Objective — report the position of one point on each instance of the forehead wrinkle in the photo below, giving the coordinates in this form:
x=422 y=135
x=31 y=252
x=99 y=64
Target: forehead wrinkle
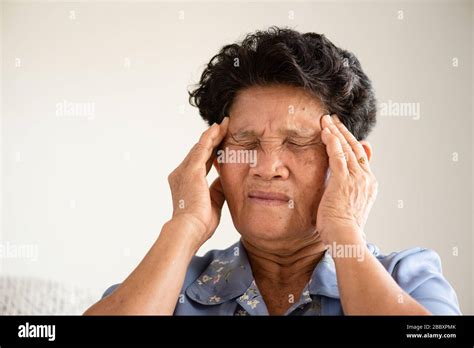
x=298 y=130
x=308 y=126
x=311 y=130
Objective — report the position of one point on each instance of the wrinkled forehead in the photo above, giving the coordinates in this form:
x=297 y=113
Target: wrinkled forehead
x=275 y=111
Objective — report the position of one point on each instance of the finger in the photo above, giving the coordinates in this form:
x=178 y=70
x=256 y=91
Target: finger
x=202 y=153
x=337 y=160
x=215 y=145
x=353 y=142
x=346 y=147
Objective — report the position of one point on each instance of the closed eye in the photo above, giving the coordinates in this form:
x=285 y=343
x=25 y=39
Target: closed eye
x=297 y=144
x=244 y=144
x=251 y=145
x=304 y=144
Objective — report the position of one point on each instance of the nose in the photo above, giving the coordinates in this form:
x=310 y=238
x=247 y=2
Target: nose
x=270 y=165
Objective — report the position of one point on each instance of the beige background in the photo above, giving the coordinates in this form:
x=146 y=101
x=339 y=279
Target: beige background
x=89 y=191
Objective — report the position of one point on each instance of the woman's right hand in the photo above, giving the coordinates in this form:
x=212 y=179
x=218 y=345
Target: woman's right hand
x=194 y=202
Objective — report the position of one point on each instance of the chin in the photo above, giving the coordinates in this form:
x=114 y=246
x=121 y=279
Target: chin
x=265 y=227
x=265 y=235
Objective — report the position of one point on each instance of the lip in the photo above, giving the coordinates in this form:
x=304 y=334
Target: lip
x=268 y=197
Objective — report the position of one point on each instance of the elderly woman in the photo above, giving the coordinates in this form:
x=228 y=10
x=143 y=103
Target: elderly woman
x=301 y=108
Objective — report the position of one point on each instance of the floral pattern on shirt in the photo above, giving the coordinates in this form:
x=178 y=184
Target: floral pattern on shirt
x=229 y=272
x=251 y=303
x=234 y=292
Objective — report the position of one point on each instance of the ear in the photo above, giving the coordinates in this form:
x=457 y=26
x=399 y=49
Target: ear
x=367 y=148
x=217 y=166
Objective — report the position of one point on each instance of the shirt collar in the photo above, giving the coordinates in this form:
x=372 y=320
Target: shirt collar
x=229 y=276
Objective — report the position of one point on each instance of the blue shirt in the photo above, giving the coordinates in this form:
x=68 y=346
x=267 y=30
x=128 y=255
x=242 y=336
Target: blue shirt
x=221 y=283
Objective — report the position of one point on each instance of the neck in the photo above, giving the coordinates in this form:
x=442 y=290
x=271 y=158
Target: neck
x=284 y=262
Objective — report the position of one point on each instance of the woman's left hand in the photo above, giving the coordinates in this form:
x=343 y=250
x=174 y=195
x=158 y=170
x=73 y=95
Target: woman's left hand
x=351 y=188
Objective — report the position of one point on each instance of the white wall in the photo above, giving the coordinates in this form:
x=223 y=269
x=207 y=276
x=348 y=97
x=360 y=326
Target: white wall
x=89 y=193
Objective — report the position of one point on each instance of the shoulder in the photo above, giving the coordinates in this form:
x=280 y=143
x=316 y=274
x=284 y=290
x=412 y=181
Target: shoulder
x=418 y=271
x=196 y=267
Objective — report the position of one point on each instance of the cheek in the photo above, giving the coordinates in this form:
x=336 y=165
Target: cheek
x=232 y=179
x=310 y=173
x=311 y=166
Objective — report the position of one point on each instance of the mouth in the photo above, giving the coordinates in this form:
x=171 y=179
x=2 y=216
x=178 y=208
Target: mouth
x=268 y=198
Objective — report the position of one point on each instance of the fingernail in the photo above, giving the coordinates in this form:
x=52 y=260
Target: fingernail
x=329 y=118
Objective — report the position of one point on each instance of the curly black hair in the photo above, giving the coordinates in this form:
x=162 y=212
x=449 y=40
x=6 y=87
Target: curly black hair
x=285 y=56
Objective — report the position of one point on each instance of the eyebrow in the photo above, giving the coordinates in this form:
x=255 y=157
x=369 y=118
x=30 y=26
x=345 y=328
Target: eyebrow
x=297 y=134
x=244 y=134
